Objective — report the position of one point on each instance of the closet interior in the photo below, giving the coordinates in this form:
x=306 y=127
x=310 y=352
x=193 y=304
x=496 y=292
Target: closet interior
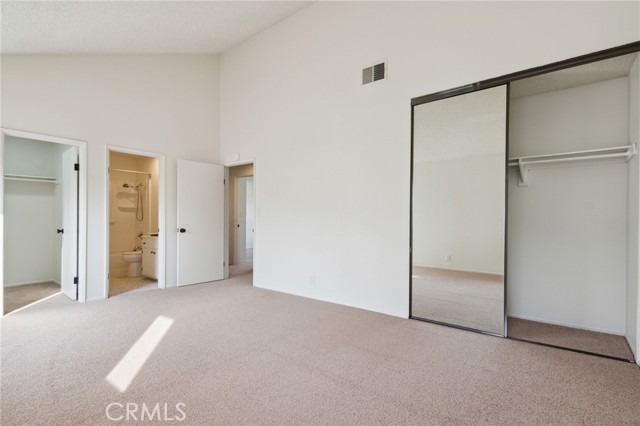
x=525 y=205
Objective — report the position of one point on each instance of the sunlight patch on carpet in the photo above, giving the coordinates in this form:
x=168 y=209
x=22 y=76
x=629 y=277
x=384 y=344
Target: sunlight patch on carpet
x=127 y=369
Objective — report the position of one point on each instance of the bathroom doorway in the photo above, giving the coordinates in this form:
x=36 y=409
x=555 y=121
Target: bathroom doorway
x=135 y=245
x=43 y=204
x=241 y=219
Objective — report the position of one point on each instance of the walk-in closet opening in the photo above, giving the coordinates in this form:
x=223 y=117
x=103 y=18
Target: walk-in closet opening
x=241 y=219
x=573 y=207
x=134 y=249
x=40 y=221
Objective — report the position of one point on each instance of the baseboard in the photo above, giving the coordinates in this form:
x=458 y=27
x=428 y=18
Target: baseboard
x=32 y=282
x=566 y=324
x=329 y=300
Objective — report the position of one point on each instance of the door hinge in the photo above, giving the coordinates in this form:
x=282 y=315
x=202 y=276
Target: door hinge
x=224 y=263
x=224 y=181
x=75 y=280
x=76 y=167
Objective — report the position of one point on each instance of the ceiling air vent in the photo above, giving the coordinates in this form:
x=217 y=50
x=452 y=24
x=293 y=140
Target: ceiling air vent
x=374 y=73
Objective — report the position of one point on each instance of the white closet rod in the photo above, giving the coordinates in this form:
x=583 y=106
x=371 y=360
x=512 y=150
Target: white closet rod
x=27 y=178
x=619 y=151
x=524 y=163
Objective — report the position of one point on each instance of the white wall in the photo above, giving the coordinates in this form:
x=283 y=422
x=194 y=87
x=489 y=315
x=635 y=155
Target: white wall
x=162 y=104
x=568 y=228
x=32 y=247
x=580 y=118
x=633 y=295
x=291 y=97
x=30 y=157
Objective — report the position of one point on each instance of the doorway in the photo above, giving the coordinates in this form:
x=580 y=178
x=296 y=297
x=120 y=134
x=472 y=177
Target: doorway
x=135 y=258
x=241 y=219
x=43 y=197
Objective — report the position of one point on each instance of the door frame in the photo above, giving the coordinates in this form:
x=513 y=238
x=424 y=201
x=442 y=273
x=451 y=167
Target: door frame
x=82 y=204
x=162 y=213
x=227 y=214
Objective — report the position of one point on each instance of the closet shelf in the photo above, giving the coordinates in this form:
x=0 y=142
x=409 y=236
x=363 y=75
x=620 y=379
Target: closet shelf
x=29 y=178
x=524 y=164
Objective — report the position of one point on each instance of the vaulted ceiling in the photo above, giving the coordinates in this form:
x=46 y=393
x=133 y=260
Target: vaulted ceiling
x=129 y=27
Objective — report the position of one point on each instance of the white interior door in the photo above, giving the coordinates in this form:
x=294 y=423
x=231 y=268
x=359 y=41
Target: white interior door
x=200 y=222
x=241 y=219
x=69 y=273
x=250 y=218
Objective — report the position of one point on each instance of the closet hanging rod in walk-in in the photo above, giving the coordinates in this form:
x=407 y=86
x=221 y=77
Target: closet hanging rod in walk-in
x=524 y=163
x=130 y=171
x=28 y=178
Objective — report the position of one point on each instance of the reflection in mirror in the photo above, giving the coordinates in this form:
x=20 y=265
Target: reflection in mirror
x=459 y=152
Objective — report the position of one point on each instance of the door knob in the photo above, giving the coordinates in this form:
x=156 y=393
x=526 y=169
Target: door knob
x=182 y=230
x=60 y=231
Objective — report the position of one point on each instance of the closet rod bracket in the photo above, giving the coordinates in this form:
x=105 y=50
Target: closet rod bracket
x=632 y=152
x=524 y=173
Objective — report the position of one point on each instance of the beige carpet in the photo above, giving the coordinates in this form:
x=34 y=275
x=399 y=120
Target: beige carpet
x=583 y=340
x=237 y=354
x=126 y=284
x=467 y=299
x=240 y=269
x=22 y=295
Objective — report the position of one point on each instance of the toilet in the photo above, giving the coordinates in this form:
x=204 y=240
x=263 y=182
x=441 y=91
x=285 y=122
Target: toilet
x=134 y=259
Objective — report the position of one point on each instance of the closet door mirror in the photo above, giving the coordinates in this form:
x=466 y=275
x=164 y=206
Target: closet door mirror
x=458 y=210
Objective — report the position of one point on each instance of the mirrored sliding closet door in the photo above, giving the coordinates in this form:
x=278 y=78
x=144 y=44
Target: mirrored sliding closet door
x=458 y=210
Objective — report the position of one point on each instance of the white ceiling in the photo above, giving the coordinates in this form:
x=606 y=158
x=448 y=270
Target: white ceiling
x=594 y=72
x=126 y=27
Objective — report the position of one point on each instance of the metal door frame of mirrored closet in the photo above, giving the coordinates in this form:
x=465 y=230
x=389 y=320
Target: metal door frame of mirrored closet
x=487 y=84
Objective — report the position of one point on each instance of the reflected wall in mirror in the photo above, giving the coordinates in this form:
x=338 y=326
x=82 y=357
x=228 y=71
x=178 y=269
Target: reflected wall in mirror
x=458 y=210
